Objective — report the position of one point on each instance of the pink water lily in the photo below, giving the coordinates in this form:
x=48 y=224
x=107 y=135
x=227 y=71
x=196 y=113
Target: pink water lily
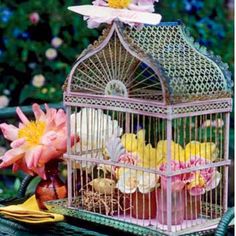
x=34 y=143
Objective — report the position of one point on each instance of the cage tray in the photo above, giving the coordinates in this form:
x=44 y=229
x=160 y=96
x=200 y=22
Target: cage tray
x=132 y=225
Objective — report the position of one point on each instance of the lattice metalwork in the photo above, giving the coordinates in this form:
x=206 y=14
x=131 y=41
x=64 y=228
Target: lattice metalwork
x=152 y=109
x=178 y=70
x=113 y=71
x=193 y=75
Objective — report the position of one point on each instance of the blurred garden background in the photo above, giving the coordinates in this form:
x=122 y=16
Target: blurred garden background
x=40 y=40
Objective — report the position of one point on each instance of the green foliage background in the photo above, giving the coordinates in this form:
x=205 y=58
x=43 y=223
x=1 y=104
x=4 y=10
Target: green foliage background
x=23 y=45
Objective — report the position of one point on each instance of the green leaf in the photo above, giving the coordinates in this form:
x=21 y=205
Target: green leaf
x=28 y=91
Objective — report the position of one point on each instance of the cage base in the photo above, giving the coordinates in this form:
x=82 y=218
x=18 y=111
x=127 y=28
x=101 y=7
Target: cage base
x=133 y=225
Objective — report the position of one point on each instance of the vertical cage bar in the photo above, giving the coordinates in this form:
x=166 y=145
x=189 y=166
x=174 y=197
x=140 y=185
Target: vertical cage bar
x=226 y=157
x=169 y=203
x=69 y=162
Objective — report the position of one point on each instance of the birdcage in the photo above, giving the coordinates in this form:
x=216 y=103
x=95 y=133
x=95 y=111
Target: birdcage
x=150 y=109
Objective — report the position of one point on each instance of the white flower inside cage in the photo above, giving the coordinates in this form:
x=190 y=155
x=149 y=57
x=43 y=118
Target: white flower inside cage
x=94 y=129
x=132 y=180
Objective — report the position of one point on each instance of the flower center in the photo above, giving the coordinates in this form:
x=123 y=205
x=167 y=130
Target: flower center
x=119 y=3
x=32 y=132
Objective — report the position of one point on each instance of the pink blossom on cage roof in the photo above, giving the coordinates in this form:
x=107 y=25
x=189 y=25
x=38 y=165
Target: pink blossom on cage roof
x=137 y=12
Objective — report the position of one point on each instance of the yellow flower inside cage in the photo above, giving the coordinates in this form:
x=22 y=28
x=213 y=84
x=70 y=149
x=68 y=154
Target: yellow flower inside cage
x=133 y=142
x=197 y=181
x=148 y=156
x=207 y=150
x=177 y=152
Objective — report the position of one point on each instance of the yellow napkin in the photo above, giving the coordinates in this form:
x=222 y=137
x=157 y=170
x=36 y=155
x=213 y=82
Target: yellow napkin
x=29 y=212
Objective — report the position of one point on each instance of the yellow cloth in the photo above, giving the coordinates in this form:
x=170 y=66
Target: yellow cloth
x=29 y=212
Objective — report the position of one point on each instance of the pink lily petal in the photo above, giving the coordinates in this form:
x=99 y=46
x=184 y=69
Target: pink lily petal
x=48 y=153
x=60 y=117
x=38 y=112
x=92 y=23
x=10 y=132
x=48 y=138
x=11 y=156
x=40 y=171
x=17 y=143
x=20 y=165
x=50 y=112
x=21 y=125
x=60 y=144
x=32 y=157
x=21 y=115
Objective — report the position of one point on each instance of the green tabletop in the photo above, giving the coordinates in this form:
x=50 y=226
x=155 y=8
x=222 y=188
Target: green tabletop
x=68 y=227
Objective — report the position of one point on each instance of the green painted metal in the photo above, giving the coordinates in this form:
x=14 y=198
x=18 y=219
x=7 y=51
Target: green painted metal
x=190 y=71
x=177 y=67
x=60 y=207
x=224 y=222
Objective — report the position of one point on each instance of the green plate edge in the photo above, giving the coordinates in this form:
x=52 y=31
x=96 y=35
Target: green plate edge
x=59 y=207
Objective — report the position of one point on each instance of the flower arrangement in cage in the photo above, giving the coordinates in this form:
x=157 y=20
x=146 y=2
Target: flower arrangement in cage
x=111 y=189
x=37 y=146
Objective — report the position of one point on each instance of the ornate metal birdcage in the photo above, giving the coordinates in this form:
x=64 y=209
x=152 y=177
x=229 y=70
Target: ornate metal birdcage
x=150 y=109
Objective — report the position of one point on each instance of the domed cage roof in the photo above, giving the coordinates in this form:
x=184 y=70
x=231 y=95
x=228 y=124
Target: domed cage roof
x=159 y=63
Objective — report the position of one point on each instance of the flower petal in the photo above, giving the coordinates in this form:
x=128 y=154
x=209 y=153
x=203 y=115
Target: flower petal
x=20 y=165
x=214 y=181
x=40 y=171
x=48 y=153
x=17 y=143
x=60 y=117
x=11 y=156
x=50 y=117
x=38 y=112
x=21 y=115
x=196 y=191
x=48 y=138
x=10 y=132
x=32 y=157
